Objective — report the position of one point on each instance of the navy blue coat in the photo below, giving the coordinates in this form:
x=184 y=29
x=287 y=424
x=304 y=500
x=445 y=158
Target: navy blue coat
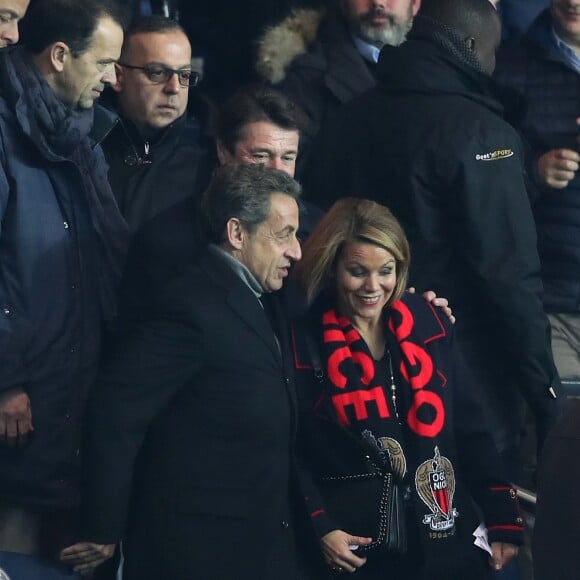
x=552 y=88
x=50 y=311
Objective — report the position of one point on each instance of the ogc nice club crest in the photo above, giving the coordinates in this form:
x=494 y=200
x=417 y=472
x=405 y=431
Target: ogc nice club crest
x=435 y=483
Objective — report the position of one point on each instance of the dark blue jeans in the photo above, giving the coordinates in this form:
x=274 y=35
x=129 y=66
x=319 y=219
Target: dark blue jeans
x=24 y=567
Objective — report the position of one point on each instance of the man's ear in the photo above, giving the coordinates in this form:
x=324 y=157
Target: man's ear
x=235 y=233
x=59 y=54
x=224 y=156
x=415 y=5
x=117 y=86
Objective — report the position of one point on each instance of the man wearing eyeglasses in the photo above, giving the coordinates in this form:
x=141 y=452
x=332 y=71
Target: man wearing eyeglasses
x=152 y=153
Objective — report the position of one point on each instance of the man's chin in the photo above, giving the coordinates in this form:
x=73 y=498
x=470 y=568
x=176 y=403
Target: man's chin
x=160 y=122
x=85 y=104
x=275 y=286
x=388 y=34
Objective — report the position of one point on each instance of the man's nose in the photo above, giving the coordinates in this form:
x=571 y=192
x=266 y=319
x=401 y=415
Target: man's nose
x=172 y=85
x=110 y=75
x=10 y=35
x=295 y=251
x=275 y=163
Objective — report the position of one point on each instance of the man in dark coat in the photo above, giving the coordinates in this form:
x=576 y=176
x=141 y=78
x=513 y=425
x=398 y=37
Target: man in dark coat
x=192 y=426
x=431 y=144
x=153 y=152
x=62 y=244
x=322 y=60
x=545 y=68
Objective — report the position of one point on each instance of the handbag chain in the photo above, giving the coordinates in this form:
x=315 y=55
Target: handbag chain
x=393 y=386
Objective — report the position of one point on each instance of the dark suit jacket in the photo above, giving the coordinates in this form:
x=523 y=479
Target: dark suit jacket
x=191 y=430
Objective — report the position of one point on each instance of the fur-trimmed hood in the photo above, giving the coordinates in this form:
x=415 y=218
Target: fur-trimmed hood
x=283 y=42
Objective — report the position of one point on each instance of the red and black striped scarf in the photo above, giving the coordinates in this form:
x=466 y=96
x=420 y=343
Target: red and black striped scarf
x=360 y=394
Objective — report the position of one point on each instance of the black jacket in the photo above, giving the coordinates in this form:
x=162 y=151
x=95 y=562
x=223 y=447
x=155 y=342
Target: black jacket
x=191 y=435
x=434 y=148
x=157 y=184
x=552 y=87
x=149 y=176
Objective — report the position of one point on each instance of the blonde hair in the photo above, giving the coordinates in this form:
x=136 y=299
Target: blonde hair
x=351 y=220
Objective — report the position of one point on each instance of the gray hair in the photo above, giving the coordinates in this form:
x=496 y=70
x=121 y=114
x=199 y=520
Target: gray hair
x=243 y=192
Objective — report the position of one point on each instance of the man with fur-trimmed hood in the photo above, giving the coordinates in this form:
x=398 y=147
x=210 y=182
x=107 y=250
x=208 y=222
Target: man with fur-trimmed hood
x=321 y=60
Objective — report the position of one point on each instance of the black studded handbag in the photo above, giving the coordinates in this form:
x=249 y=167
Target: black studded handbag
x=368 y=505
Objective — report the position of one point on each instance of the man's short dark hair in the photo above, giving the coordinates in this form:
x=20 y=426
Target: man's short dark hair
x=70 y=21
x=155 y=23
x=243 y=192
x=251 y=105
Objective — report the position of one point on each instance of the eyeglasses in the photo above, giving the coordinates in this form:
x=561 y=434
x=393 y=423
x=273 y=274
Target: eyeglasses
x=160 y=74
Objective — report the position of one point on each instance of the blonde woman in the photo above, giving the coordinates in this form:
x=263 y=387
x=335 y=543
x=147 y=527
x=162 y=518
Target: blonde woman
x=383 y=393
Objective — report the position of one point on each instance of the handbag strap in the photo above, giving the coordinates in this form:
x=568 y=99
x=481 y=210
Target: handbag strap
x=314 y=353
x=316 y=360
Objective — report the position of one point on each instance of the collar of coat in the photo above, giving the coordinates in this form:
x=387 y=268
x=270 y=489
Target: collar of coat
x=104 y=122
x=421 y=66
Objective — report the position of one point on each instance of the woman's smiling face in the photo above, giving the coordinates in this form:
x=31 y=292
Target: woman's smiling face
x=366 y=275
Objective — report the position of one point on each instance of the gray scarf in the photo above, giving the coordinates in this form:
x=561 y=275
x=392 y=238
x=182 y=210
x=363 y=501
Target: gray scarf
x=62 y=133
